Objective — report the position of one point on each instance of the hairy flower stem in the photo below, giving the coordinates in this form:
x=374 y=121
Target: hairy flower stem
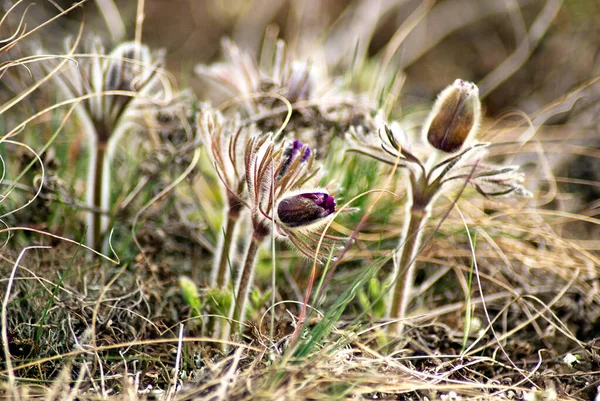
x=96 y=196
x=219 y=277
x=221 y=266
x=245 y=280
x=418 y=214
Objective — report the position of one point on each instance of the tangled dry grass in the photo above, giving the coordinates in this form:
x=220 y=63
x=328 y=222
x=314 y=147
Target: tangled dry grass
x=506 y=294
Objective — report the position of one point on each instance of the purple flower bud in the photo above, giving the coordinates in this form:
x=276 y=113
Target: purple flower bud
x=294 y=151
x=455 y=116
x=305 y=209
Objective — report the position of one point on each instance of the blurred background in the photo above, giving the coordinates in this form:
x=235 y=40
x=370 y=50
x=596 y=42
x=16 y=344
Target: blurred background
x=547 y=47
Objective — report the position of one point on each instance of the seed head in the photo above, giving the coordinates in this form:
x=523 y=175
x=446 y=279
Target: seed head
x=454 y=117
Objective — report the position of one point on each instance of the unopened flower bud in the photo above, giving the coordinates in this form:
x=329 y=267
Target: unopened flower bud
x=297 y=149
x=455 y=116
x=305 y=209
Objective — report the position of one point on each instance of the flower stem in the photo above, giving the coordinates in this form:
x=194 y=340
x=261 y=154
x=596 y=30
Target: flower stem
x=220 y=268
x=418 y=216
x=220 y=276
x=244 y=282
x=96 y=227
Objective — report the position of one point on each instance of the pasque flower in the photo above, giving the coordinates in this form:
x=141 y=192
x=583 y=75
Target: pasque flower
x=114 y=90
x=318 y=103
x=456 y=157
x=273 y=172
x=226 y=141
x=242 y=76
x=264 y=177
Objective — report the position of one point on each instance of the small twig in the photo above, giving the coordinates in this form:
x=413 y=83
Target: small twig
x=74 y=390
x=228 y=378
x=139 y=22
x=174 y=386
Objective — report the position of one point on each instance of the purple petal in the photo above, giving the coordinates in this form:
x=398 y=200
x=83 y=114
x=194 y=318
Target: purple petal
x=297 y=147
x=305 y=209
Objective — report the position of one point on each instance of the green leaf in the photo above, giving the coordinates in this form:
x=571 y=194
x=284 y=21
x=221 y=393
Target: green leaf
x=190 y=295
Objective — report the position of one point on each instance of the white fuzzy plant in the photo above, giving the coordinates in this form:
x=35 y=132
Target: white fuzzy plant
x=111 y=90
x=452 y=155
